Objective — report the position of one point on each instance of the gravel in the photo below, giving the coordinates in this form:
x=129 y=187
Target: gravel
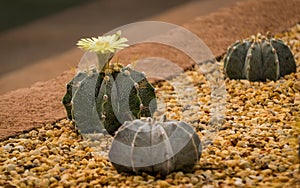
x=256 y=146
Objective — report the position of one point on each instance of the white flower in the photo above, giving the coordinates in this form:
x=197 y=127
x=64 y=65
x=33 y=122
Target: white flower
x=103 y=44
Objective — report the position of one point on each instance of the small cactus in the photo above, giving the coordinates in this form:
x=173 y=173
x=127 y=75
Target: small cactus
x=107 y=96
x=259 y=59
x=155 y=147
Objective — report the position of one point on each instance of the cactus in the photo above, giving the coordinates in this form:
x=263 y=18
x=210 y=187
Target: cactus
x=155 y=147
x=259 y=59
x=132 y=96
x=110 y=95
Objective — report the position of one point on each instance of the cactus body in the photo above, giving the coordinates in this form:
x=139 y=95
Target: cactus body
x=155 y=147
x=124 y=95
x=259 y=59
x=79 y=101
x=109 y=97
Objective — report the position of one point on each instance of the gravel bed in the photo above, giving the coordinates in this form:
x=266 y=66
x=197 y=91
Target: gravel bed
x=255 y=147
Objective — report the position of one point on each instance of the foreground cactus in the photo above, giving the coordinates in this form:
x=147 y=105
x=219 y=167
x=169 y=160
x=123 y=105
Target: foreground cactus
x=155 y=147
x=109 y=95
x=259 y=59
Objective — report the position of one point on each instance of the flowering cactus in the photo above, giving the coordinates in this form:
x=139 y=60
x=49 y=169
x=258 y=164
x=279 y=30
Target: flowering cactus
x=114 y=93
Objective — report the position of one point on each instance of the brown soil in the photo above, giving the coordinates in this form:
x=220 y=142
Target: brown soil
x=27 y=108
x=32 y=54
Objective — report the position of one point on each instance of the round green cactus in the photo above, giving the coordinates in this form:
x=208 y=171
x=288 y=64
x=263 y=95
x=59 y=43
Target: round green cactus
x=105 y=97
x=155 y=147
x=120 y=94
x=259 y=59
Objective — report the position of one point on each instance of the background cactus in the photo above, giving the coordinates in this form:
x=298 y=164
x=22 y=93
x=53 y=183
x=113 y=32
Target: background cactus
x=258 y=59
x=155 y=147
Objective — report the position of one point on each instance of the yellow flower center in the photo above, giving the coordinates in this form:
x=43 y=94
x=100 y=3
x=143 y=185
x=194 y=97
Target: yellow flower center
x=103 y=45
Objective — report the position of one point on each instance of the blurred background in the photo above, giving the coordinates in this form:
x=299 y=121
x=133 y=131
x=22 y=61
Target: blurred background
x=38 y=37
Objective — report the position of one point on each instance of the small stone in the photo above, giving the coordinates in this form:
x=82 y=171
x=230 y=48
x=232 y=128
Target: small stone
x=238 y=182
x=266 y=172
x=244 y=164
x=65 y=177
x=20 y=148
x=189 y=185
x=163 y=183
x=10 y=167
x=7 y=147
x=232 y=163
x=52 y=180
x=283 y=178
x=296 y=86
x=194 y=180
x=219 y=175
x=273 y=167
x=281 y=168
x=243 y=174
x=208 y=186
x=178 y=175
x=36 y=162
x=242 y=144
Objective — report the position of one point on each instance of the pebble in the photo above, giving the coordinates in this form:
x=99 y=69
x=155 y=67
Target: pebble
x=194 y=180
x=256 y=147
x=7 y=147
x=238 y=182
x=163 y=184
x=242 y=144
x=10 y=167
x=266 y=172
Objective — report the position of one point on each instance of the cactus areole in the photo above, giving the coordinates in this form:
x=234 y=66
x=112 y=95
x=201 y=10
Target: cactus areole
x=155 y=147
x=259 y=59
